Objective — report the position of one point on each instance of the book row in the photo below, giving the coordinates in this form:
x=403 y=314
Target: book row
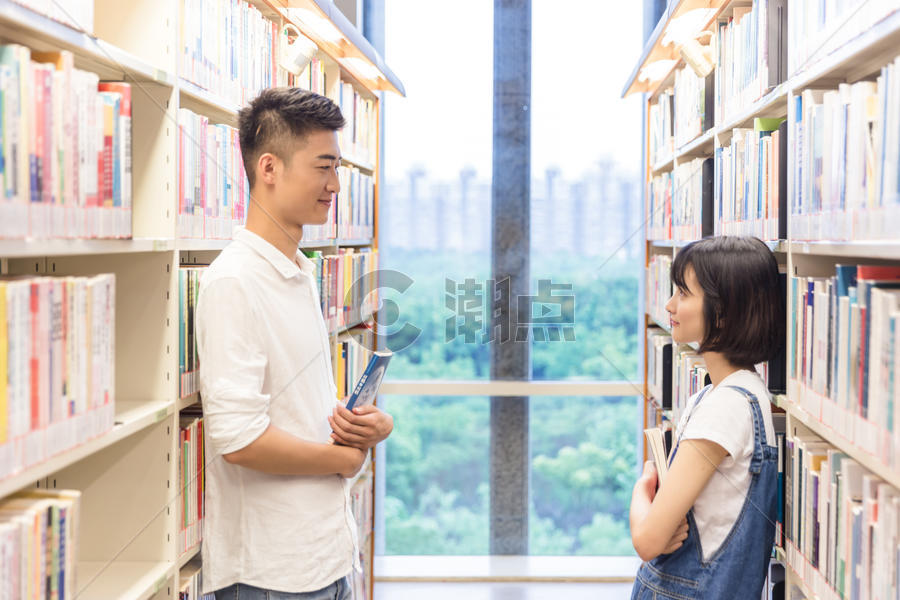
x=78 y=14
x=350 y=356
x=751 y=55
x=359 y=137
x=348 y=284
x=57 y=366
x=659 y=287
x=675 y=372
x=66 y=149
x=842 y=523
x=213 y=191
x=38 y=544
x=845 y=331
x=188 y=358
x=191 y=478
x=228 y=48
x=750 y=187
x=355 y=205
x=817 y=28
x=846 y=160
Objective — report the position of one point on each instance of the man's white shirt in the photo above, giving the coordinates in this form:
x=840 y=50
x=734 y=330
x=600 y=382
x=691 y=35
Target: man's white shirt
x=265 y=359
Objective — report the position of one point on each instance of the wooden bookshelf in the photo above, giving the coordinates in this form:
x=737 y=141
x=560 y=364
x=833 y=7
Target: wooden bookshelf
x=860 y=55
x=127 y=546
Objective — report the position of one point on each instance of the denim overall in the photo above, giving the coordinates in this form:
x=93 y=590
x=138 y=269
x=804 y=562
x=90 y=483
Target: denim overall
x=737 y=570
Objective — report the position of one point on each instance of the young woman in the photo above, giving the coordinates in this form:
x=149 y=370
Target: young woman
x=708 y=532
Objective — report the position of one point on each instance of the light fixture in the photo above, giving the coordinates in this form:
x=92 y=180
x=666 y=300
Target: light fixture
x=687 y=26
x=294 y=56
x=699 y=56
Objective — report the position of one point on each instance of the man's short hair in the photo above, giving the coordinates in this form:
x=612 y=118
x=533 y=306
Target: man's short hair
x=279 y=118
x=743 y=308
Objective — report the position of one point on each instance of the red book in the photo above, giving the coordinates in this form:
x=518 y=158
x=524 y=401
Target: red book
x=868 y=276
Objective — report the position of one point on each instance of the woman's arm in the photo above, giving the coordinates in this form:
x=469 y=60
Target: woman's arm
x=655 y=516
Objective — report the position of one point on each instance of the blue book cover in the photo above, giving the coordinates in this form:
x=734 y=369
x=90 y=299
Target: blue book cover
x=367 y=388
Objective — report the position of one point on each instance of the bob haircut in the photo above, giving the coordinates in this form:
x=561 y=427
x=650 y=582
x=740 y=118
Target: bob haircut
x=743 y=308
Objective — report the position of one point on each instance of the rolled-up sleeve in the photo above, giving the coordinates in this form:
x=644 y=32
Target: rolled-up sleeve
x=232 y=367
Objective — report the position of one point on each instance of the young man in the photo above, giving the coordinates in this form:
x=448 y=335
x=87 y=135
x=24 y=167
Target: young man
x=277 y=506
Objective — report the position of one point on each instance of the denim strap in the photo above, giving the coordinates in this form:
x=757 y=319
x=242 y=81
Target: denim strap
x=759 y=432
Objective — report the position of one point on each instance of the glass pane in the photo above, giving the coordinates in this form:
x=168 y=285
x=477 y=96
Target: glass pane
x=583 y=466
x=435 y=207
x=585 y=193
x=436 y=486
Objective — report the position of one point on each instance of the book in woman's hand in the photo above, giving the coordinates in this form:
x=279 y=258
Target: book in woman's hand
x=657 y=446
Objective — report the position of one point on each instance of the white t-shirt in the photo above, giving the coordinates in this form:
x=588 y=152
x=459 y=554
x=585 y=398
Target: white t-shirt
x=723 y=416
x=265 y=359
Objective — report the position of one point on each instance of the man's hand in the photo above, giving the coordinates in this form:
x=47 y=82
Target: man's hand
x=362 y=428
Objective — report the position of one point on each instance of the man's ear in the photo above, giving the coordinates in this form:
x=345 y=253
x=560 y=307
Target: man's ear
x=268 y=167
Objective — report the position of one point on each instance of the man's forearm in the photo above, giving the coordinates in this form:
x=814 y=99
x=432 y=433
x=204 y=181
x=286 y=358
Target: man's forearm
x=279 y=453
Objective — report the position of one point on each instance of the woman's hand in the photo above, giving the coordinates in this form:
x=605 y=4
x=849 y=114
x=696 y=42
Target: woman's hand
x=678 y=538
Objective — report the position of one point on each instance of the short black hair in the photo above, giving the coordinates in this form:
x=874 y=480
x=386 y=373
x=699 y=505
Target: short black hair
x=743 y=306
x=276 y=118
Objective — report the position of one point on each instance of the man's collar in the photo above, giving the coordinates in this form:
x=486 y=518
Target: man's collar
x=287 y=267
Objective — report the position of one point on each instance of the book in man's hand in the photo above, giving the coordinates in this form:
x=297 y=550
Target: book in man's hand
x=367 y=388
x=656 y=443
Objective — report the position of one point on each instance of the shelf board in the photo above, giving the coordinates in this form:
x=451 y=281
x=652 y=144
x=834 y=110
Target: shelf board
x=773 y=104
x=774 y=245
x=358 y=163
x=702 y=145
x=200 y=245
x=187 y=401
x=855 y=59
x=124 y=580
x=195 y=98
x=829 y=435
x=21 y=25
x=888 y=249
x=75 y=247
x=188 y=556
x=346 y=328
x=666 y=164
x=131 y=417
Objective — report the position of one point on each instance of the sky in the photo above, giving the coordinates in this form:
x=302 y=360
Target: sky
x=582 y=54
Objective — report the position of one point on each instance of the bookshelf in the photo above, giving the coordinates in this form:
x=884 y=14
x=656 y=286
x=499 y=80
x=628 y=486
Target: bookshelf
x=127 y=473
x=824 y=421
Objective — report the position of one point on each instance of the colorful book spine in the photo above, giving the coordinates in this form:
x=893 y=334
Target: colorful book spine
x=188 y=358
x=65 y=149
x=192 y=483
x=661 y=119
x=846 y=160
x=846 y=361
x=356 y=205
x=749 y=186
x=350 y=356
x=347 y=285
x=38 y=542
x=228 y=48
x=659 y=287
x=213 y=191
x=842 y=524
x=59 y=389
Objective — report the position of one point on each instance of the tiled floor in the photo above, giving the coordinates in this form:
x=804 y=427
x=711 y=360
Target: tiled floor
x=388 y=590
